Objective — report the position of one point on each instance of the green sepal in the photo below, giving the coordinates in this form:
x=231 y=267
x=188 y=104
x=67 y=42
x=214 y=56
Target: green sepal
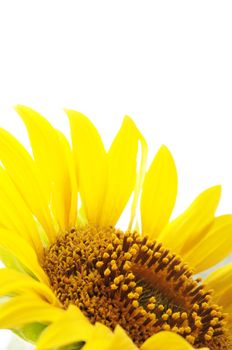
x=30 y=332
x=76 y=346
x=10 y=261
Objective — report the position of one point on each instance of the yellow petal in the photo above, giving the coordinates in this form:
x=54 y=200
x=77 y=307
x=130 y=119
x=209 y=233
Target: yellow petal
x=166 y=340
x=215 y=245
x=220 y=282
x=21 y=168
x=139 y=178
x=22 y=310
x=120 y=340
x=15 y=215
x=73 y=327
x=91 y=164
x=100 y=338
x=23 y=252
x=70 y=328
x=70 y=183
x=53 y=158
x=19 y=283
x=159 y=193
x=121 y=158
x=183 y=232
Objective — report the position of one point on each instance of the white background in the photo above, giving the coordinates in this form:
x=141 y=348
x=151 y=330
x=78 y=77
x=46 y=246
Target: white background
x=168 y=64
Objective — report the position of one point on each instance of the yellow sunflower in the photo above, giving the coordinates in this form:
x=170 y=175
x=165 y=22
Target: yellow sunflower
x=72 y=279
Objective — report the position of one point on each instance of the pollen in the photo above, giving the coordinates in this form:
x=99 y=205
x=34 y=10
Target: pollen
x=124 y=278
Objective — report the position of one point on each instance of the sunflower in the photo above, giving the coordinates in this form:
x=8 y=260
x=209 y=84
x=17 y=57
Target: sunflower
x=72 y=280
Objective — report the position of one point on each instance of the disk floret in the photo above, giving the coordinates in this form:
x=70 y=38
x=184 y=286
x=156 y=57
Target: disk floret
x=124 y=278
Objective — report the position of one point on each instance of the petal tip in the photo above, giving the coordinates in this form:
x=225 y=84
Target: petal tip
x=22 y=108
x=216 y=190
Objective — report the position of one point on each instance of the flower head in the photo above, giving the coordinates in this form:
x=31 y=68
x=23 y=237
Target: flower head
x=69 y=268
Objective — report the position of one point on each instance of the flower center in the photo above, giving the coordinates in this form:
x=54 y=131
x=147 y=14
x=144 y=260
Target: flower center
x=123 y=278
